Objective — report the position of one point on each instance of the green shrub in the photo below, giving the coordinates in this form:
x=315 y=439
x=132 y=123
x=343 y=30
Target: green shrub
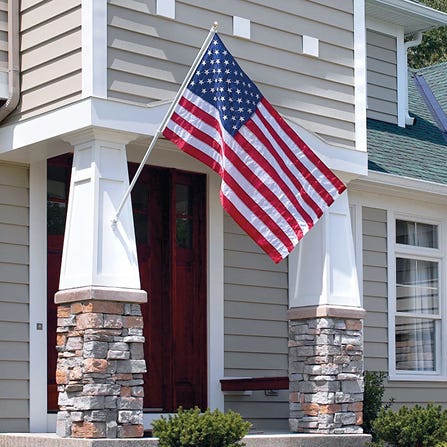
x=191 y=428
x=412 y=427
x=373 y=399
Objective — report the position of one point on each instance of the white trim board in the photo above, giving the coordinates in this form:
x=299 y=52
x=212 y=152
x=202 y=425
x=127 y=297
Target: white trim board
x=140 y=122
x=94 y=48
x=360 y=75
x=38 y=298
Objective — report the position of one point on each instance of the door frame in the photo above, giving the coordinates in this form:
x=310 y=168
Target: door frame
x=40 y=419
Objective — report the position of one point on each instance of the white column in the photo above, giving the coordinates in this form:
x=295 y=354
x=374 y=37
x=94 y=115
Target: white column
x=322 y=269
x=97 y=253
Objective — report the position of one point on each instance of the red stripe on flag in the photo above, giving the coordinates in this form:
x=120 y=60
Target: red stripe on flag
x=311 y=179
x=197 y=132
x=237 y=162
x=293 y=179
x=257 y=237
x=257 y=210
x=339 y=185
x=192 y=150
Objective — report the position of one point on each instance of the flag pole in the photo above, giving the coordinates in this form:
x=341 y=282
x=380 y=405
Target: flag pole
x=166 y=118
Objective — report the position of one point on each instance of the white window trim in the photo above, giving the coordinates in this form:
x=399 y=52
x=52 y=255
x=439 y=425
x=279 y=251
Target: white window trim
x=437 y=255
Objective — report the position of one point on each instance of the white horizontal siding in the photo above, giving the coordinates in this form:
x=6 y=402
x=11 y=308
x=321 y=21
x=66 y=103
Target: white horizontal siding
x=255 y=326
x=381 y=76
x=14 y=312
x=148 y=55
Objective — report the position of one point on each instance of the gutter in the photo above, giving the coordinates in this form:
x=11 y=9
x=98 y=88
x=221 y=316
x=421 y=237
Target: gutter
x=13 y=60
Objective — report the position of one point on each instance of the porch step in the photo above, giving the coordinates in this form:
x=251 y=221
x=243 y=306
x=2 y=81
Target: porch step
x=279 y=440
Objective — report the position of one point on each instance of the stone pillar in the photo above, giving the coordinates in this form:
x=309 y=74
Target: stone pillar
x=100 y=365
x=100 y=328
x=326 y=370
x=325 y=329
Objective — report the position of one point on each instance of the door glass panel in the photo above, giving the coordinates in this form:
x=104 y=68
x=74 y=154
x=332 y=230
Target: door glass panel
x=140 y=200
x=183 y=222
x=57 y=190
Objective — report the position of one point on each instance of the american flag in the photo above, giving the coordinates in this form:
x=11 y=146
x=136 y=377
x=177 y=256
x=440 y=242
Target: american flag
x=273 y=184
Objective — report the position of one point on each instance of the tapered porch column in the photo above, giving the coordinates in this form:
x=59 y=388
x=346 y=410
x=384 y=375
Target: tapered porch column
x=325 y=329
x=100 y=328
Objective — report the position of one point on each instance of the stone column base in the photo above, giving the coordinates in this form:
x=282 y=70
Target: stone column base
x=326 y=370
x=100 y=369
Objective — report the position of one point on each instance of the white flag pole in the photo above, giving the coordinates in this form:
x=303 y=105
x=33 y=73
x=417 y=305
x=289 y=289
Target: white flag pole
x=166 y=119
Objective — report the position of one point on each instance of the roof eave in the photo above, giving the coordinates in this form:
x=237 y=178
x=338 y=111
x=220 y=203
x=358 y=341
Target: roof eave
x=429 y=18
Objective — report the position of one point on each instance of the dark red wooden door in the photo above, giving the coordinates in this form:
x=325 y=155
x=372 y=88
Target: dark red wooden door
x=58 y=183
x=171 y=235
x=169 y=215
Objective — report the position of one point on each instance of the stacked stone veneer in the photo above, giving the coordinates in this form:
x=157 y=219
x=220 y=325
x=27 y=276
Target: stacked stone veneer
x=100 y=369
x=326 y=375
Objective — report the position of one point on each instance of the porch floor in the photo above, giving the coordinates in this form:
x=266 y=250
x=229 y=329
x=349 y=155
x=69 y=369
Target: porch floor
x=271 y=440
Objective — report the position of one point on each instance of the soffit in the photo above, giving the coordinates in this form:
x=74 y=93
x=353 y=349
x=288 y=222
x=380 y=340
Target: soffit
x=413 y=17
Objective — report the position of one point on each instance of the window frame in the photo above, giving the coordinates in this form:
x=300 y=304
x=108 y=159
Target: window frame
x=396 y=250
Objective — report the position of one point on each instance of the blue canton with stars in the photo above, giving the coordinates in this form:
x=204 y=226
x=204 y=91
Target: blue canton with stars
x=220 y=81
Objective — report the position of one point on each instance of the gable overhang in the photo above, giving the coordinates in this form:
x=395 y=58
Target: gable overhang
x=413 y=17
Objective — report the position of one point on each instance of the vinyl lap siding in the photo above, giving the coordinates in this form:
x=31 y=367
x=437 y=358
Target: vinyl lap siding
x=14 y=320
x=375 y=289
x=149 y=55
x=50 y=55
x=3 y=42
x=255 y=327
x=381 y=77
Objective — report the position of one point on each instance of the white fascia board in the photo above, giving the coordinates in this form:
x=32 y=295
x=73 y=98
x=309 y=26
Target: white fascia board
x=419 y=9
x=80 y=115
x=143 y=122
x=409 y=184
x=428 y=18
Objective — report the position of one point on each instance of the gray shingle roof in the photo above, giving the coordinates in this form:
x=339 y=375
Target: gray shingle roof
x=417 y=151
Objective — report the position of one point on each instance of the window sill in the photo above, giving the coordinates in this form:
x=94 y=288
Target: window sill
x=416 y=378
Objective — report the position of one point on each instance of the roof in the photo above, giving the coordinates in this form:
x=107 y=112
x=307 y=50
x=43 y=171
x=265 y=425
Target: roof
x=418 y=151
x=413 y=17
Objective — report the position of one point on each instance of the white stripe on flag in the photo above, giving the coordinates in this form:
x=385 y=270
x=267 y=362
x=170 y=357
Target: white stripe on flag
x=258 y=224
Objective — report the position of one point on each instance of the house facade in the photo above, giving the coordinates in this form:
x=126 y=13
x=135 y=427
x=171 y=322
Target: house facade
x=85 y=85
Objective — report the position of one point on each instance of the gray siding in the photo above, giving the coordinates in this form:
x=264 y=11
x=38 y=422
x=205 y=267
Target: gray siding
x=375 y=289
x=381 y=76
x=14 y=319
x=50 y=56
x=3 y=36
x=148 y=55
x=255 y=327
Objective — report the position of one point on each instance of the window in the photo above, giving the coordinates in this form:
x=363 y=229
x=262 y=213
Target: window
x=416 y=308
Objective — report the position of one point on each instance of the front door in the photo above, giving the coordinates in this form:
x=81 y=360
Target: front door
x=169 y=211
x=169 y=216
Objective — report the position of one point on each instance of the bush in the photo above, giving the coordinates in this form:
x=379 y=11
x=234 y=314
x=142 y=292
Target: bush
x=412 y=427
x=373 y=399
x=191 y=428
